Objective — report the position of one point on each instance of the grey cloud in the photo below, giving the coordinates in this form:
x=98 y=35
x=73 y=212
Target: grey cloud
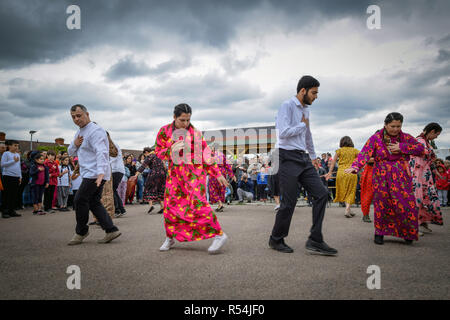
x=35 y=31
x=128 y=67
x=33 y=99
x=444 y=55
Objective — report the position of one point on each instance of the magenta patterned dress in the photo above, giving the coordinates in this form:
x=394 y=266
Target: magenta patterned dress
x=216 y=190
x=187 y=214
x=424 y=185
x=395 y=210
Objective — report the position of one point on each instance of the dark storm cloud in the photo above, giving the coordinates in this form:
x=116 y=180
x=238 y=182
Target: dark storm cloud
x=35 y=31
x=34 y=99
x=128 y=67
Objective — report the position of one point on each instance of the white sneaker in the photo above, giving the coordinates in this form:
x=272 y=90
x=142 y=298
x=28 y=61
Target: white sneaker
x=77 y=239
x=218 y=243
x=425 y=229
x=169 y=243
x=277 y=207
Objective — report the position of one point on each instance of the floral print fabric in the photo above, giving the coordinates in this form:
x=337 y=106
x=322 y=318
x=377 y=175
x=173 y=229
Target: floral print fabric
x=187 y=214
x=424 y=185
x=217 y=191
x=395 y=210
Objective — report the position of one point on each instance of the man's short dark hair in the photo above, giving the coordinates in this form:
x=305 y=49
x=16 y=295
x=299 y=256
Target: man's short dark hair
x=147 y=149
x=74 y=108
x=307 y=82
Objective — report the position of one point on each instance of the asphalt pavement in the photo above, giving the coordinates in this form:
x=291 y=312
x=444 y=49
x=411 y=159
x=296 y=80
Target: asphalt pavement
x=35 y=259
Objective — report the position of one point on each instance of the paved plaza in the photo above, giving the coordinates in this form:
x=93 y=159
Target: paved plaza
x=35 y=257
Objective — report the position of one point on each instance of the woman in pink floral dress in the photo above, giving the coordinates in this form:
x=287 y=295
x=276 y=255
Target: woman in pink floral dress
x=423 y=181
x=216 y=190
x=395 y=210
x=187 y=214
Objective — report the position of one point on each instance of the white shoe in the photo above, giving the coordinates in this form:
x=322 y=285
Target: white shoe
x=169 y=243
x=77 y=239
x=218 y=243
x=277 y=207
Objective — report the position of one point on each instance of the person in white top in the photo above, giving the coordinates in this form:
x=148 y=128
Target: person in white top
x=64 y=183
x=118 y=170
x=11 y=178
x=91 y=146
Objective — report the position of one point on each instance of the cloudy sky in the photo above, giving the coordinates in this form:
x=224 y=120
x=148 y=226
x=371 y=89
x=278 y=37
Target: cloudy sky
x=234 y=62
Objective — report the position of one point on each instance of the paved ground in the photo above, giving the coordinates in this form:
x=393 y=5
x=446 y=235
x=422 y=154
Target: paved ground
x=34 y=259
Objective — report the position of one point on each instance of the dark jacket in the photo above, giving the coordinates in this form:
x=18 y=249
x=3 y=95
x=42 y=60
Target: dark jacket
x=34 y=171
x=246 y=186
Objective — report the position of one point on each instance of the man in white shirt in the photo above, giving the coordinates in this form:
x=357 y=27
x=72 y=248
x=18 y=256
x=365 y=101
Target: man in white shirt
x=11 y=178
x=296 y=166
x=91 y=145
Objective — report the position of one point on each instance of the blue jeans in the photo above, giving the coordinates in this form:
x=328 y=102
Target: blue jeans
x=140 y=188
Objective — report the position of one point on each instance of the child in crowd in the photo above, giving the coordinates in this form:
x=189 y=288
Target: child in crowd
x=39 y=181
x=262 y=179
x=122 y=188
x=76 y=181
x=11 y=178
x=53 y=172
x=442 y=185
x=447 y=168
x=64 y=183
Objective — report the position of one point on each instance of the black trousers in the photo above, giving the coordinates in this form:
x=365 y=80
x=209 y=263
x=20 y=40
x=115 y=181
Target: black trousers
x=295 y=168
x=117 y=178
x=48 y=197
x=10 y=193
x=88 y=198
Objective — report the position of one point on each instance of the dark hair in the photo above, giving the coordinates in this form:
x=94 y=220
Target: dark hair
x=307 y=82
x=393 y=116
x=140 y=156
x=147 y=149
x=11 y=142
x=62 y=152
x=74 y=108
x=432 y=126
x=36 y=155
x=182 y=108
x=346 y=142
x=51 y=153
x=64 y=158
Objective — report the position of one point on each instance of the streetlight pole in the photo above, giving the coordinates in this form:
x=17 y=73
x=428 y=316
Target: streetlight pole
x=31 y=139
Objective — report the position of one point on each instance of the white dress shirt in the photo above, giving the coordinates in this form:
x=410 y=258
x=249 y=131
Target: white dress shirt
x=293 y=134
x=93 y=154
x=10 y=167
x=117 y=164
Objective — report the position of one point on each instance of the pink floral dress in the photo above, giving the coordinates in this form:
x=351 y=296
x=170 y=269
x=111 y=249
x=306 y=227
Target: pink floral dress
x=217 y=191
x=395 y=210
x=187 y=214
x=424 y=185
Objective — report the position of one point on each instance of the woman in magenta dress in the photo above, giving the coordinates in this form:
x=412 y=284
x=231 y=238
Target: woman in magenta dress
x=187 y=214
x=424 y=186
x=395 y=210
x=216 y=190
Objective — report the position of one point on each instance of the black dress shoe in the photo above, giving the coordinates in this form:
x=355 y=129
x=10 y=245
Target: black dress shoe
x=408 y=242
x=161 y=211
x=151 y=209
x=5 y=216
x=378 y=239
x=14 y=214
x=280 y=245
x=321 y=248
